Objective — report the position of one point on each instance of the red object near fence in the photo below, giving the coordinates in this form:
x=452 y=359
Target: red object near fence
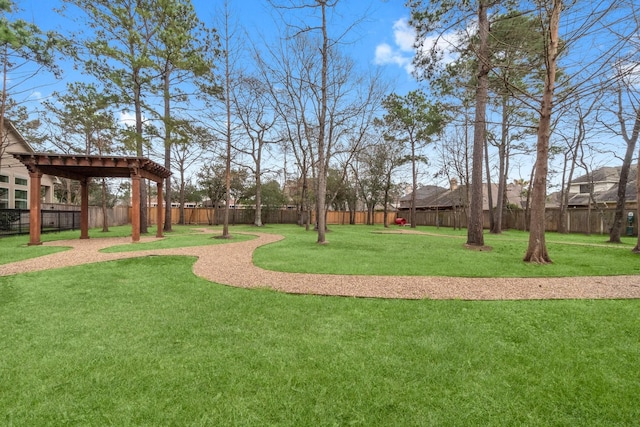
x=401 y=221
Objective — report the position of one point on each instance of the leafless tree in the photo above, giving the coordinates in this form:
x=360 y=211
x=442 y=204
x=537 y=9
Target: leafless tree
x=258 y=120
x=627 y=113
x=221 y=121
x=190 y=141
x=573 y=153
x=285 y=68
x=326 y=105
x=327 y=88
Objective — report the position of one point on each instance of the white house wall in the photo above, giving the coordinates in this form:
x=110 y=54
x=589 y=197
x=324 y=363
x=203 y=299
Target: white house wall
x=14 y=176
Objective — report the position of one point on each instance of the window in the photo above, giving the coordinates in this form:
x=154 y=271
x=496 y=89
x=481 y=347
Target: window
x=4 y=198
x=586 y=188
x=21 y=201
x=4 y=178
x=21 y=181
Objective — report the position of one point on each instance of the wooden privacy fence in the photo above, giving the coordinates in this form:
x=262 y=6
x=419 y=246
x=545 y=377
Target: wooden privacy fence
x=579 y=220
x=236 y=216
x=117 y=215
x=270 y=216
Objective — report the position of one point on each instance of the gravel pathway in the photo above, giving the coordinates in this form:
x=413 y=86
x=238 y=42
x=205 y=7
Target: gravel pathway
x=231 y=264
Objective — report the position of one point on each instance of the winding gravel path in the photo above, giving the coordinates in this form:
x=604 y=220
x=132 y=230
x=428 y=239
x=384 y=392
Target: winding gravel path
x=231 y=264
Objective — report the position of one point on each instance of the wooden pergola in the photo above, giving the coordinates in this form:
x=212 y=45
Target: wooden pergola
x=83 y=168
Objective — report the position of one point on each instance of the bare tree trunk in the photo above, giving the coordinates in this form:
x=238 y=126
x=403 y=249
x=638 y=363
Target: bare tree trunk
x=167 y=147
x=537 y=248
x=475 y=235
x=137 y=100
x=105 y=216
x=227 y=181
x=502 y=169
x=227 y=101
x=527 y=210
x=210 y=215
x=636 y=249
x=564 y=195
x=592 y=200
x=257 y=220
x=305 y=216
x=181 y=218
x=614 y=234
x=385 y=220
x=322 y=167
x=492 y=215
x=414 y=185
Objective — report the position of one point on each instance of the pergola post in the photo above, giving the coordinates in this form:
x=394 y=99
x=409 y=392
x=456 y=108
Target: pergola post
x=159 y=210
x=35 y=218
x=135 y=207
x=84 y=208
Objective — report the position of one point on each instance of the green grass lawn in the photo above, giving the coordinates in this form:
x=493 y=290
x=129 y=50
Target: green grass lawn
x=144 y=341
x=369 y=250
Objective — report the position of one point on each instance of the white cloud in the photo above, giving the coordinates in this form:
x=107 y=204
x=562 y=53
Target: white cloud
x=404 y=35
x=447 y=44
x=403 y=50
x=127 y=118
x=386 y=54
x=401 y=53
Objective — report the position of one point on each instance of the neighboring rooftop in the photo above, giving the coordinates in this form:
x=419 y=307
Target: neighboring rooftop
x=435 y=197
x=603 y=183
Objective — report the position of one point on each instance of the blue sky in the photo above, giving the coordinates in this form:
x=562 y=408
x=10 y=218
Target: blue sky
x=382 y=38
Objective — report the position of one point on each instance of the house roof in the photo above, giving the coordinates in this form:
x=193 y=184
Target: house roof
x=434 y=197
x=605 y=175
x=425 y=195
x=604 y=197
x=12 y=128
x=631 y=193
x=610 y=174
